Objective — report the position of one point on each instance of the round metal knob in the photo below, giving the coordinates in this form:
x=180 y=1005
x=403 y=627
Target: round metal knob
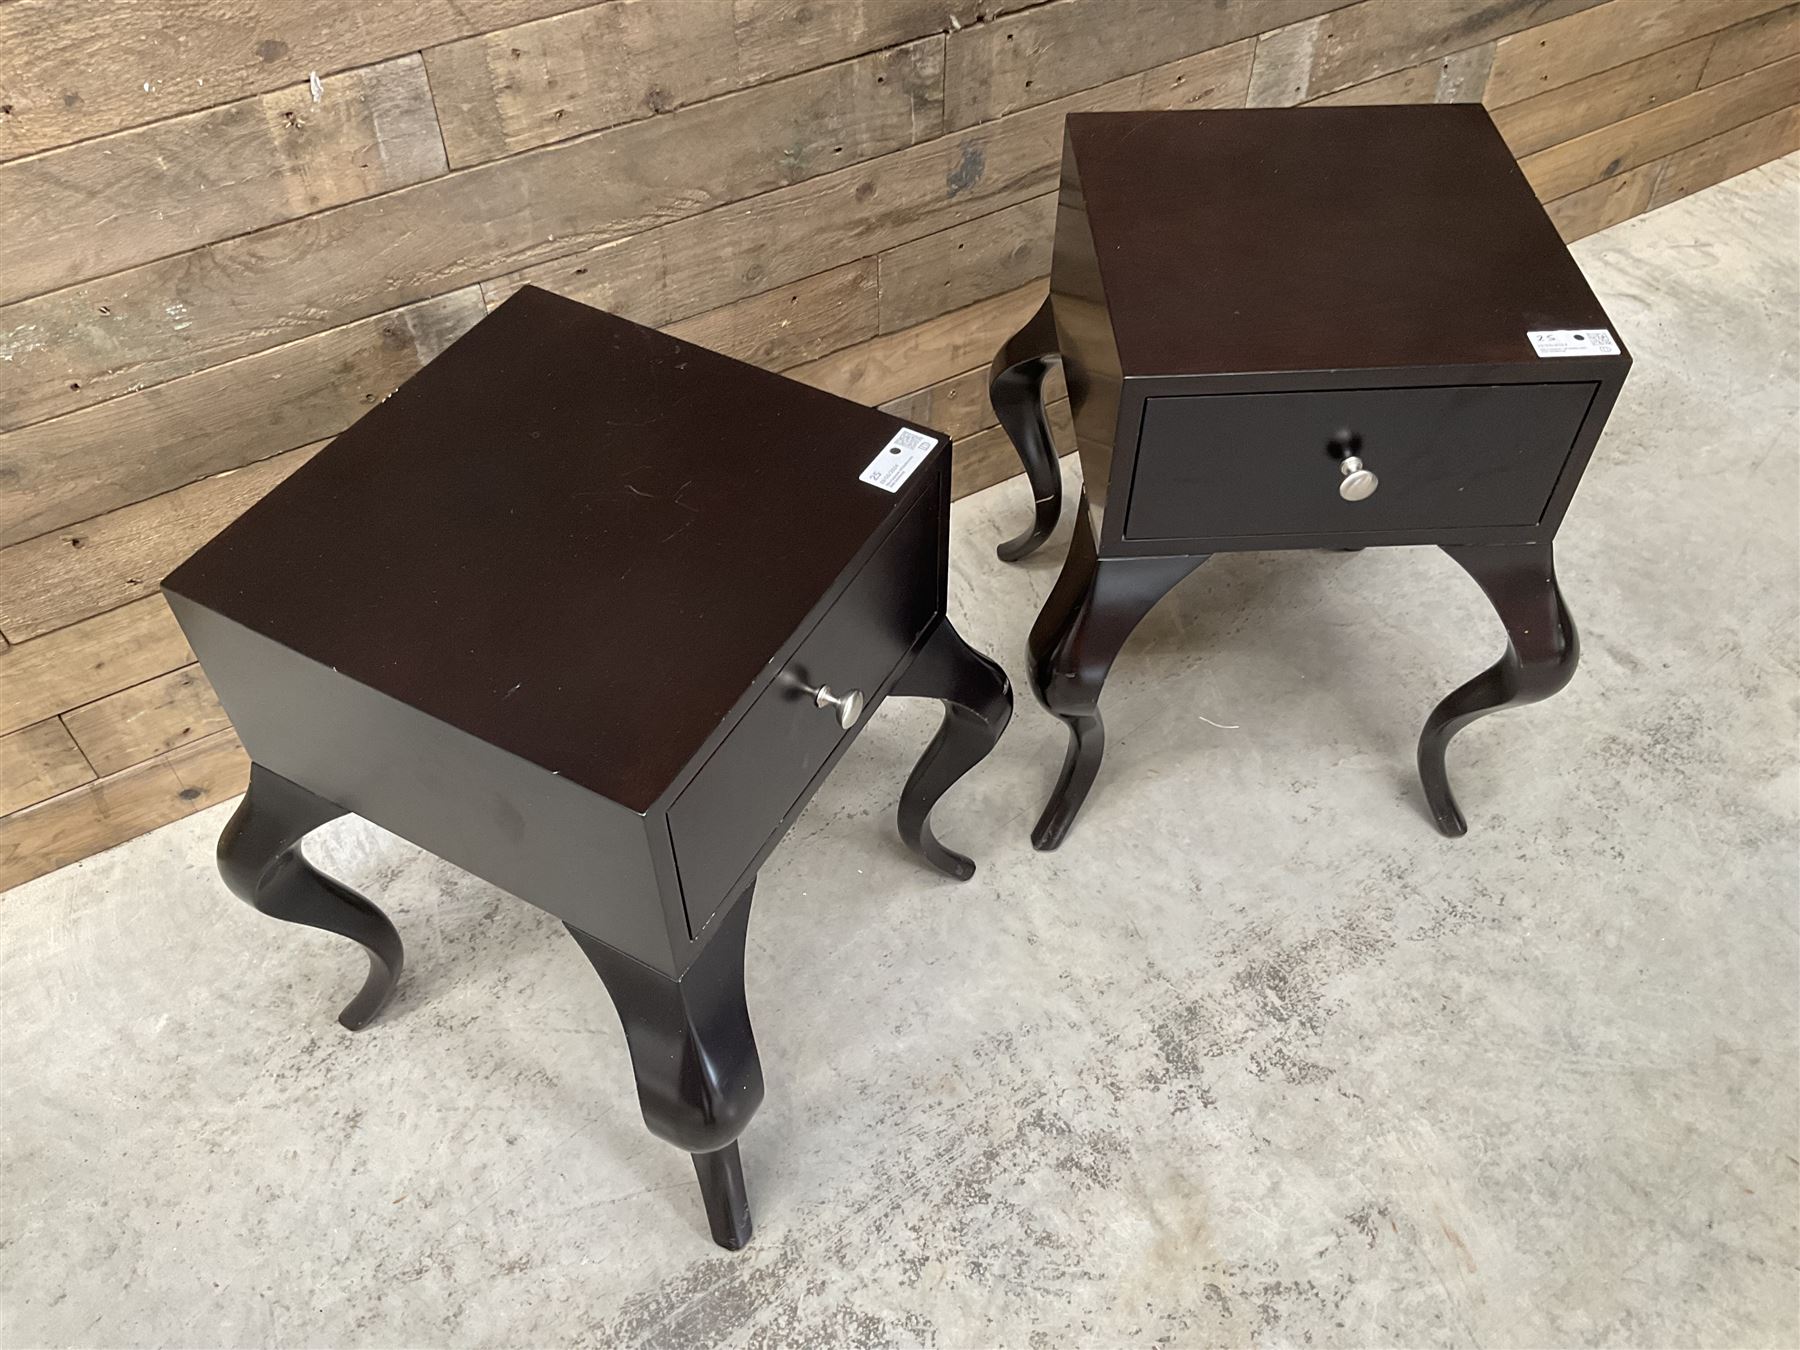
x=849 y=706
x=1357 y=482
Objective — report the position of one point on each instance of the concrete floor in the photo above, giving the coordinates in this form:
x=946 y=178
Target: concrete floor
x=1257 y=1059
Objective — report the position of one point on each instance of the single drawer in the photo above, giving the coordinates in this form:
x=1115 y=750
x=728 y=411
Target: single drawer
x=744 y=793
x=1223 y=465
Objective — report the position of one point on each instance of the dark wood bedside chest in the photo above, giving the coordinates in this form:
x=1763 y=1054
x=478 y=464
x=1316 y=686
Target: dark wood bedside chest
x=1304 y=328
x=590 y=612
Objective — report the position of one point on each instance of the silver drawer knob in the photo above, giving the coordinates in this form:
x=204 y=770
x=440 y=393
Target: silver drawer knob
x=849 y=706
x=1357 y=482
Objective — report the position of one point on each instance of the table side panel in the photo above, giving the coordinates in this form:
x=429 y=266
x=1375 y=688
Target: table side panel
x=749 y=790
x=518 y=826
x=1084 y=333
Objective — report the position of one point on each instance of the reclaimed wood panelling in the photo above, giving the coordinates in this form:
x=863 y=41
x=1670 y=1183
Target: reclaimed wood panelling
x=892 y=364
x=62 y=577
x=1756 y=42
x=790 y=233
x=107 y=204
x=146 y=720
x=74 y=71
x=989 y=457
x=1046 y=52
x=1362 y=41
x=801 y=322
x=249 y=293
x=74 y=467
x=39 y=761
x=1605 y=203
x=963 y=264
x=76 y=665
x=1567 y=49
x=777 y=36
x=1586 y=105
x=1683 y=122
x=957 y=406
x=1720 y=157
x=77 y=824
x=604 y=65
x=204 y=271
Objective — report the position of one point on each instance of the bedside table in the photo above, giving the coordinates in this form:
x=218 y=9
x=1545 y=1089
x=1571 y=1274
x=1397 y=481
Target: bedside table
x=590 y=612
x=1304 y=328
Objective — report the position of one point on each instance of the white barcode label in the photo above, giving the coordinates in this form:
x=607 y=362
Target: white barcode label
x=1574 y=342
x=898 y=458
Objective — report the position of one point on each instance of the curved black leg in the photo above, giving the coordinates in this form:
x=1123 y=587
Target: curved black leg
x=1542 y=649
x=1092 y=609
x=1016 y=389
x=260 y=859
x=978 y=704
x=698 y=1078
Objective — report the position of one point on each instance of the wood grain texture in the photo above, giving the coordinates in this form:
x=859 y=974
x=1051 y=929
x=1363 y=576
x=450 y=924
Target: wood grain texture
x=582 y=71
x=778 y=36
x=110 y=810
x=1603 y=204
x=989 y=457
x=1723 y=156
x=1756 y=42
x=39 y=761
x=1457 y=78
x=1582 y=106
x=1052 y=50
x=146 y=720
x=1595 y=39
x=801 y=322
x=1370 y=38
x=966 y=263
x=247 y=294
x=608 y=64
x=744 y=248
x=957 y=406
x=75 y=467
x=65 y=576
x=88 y=661
x=1574 y=164
x=892 y=364
x=74 y=71
x=107 y=204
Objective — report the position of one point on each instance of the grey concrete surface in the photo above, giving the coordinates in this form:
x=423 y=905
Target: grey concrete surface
x=1258 y=1059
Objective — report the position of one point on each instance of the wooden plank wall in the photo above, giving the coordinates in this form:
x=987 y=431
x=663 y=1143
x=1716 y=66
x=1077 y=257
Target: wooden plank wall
x=222 y=239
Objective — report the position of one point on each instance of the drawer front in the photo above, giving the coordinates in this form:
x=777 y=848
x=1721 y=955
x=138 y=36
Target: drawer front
x=1221 y=465
x=744 y=793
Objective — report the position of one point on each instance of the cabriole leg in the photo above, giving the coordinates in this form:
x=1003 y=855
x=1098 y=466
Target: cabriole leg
x=1092 y=610
x=1542 y=650
x=698 y=1076
x=260 y=859
x=1016 y=389
x=977 y=699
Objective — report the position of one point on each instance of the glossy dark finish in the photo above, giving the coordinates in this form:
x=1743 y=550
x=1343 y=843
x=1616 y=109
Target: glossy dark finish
x=659 y=469
x=977 y=699
x=1240 y=296
x=775 y=752
x=260 y=859
x=1091 y=611
x=1320 y=239
x=1016 y=390
x=698 y=1076
x=1542 y=649
x=554 y=612
x=1447 y=457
